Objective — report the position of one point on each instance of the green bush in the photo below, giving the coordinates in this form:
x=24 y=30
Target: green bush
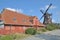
x=51 y=27
x=31 y=31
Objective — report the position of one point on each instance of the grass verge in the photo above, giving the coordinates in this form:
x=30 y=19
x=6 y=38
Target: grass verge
x=16 y=36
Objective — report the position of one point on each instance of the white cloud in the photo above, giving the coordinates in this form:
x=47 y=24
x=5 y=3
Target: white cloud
x=17 y=10
x=53 y=21
x=20 y=10
x=52 y=7
x=11 y=9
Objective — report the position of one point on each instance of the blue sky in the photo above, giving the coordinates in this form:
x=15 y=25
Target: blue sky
x=32 y=7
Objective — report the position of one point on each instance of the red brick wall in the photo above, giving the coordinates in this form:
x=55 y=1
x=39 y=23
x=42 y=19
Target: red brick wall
x=13 y=29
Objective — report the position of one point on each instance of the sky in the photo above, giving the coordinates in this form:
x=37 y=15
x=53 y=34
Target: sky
x=33 y=7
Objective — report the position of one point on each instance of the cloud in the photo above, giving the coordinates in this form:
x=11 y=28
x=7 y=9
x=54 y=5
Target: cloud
x=52 y=7
x=20 y=10
x=17 y=10
x=11 y=9
x=53 y=21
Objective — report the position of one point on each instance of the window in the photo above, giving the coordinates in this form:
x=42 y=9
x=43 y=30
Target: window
x=1 y=24
x=31 y=21
x=1 y=20
x=14 y=19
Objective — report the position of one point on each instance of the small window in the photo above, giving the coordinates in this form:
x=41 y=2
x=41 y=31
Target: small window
x=1 y=20
x=1 y=25
x=36 y=18
x=31 y=21
x=14 y=19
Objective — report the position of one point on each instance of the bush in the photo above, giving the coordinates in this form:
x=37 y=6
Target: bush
x=51 y=27
x=31 y=31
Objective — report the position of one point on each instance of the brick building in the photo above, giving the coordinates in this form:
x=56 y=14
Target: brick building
x=15 y=22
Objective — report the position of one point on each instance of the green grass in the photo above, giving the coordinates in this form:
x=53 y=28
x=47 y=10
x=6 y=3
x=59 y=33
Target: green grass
x=49 y=27
x=41 y=30
x=6 y=37
x=13 y=36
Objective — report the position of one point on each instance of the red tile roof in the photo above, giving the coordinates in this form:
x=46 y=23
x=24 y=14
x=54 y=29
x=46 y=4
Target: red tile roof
x=11 y=17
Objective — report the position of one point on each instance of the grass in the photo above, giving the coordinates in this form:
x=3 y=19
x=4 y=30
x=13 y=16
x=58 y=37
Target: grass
x=16 y=36
x=49 y=27
x=41 y=30
x=6 y=37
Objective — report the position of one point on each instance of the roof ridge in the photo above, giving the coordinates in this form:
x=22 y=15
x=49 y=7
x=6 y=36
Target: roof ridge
x=15 y=12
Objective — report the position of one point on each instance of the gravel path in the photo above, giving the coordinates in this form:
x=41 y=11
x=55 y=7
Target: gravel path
x=52 y=35
x=54 y=32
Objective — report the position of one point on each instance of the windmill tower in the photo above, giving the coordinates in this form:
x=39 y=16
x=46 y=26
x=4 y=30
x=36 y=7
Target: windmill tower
x=47 y=16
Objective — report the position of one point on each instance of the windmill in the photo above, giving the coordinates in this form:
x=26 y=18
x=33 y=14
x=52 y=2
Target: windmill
x=47 y=16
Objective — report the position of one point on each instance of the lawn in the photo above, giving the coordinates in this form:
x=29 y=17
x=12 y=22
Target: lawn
x=13 y=36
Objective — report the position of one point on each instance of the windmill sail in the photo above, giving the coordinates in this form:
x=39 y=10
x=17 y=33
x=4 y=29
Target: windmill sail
x=47 y=16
